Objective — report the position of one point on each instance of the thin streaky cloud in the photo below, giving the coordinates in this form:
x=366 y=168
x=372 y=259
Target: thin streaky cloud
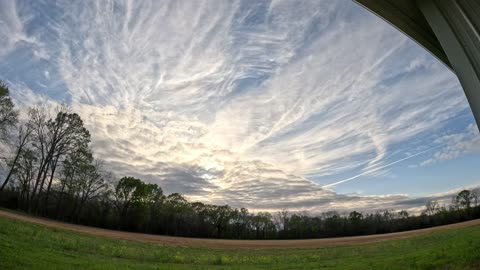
x=380 y=168
x=241 y=102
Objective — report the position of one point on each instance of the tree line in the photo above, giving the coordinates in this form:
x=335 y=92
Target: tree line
x=50 y=171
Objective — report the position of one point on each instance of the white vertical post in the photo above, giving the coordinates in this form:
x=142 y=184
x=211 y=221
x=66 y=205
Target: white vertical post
x=456 y=23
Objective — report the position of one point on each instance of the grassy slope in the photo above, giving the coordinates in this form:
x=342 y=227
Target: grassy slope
x=29 y=246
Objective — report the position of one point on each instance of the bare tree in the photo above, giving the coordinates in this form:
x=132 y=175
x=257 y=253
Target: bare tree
x=54 y=138
x=281 y=220
x=431 y=207
x=403 y=214
x=37 y=121
x=8 y=114
x=24 y=173
x=475 y=197
x=91 y=184
x=23 y=137
x=73 y=165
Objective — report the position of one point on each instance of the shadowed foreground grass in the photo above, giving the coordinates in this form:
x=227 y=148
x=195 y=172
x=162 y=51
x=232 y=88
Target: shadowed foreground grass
x=28 y=246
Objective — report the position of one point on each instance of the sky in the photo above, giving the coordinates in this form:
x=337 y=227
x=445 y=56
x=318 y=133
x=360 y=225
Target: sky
x=300 y=105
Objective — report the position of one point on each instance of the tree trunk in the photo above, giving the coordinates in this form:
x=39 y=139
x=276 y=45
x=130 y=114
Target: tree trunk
x=37 y=181
x=40 y=189
x=50 y=183
x=60 y=198
x=10 y=173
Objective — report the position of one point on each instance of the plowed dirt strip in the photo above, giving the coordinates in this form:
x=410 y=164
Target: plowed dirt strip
x=234 y=244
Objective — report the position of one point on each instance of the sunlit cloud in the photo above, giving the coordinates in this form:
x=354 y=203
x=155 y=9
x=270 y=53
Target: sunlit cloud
x=265 y=105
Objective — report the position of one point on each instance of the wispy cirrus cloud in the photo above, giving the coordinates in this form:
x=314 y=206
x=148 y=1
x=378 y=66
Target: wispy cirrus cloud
x=454 y=145
x=255 y=104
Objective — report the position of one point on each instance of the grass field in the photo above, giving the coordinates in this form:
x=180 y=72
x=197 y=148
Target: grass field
x=28 y=246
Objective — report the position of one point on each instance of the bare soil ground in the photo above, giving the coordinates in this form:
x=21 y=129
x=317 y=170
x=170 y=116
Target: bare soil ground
x=233 y=244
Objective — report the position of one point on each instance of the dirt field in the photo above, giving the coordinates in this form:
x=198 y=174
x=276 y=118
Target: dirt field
x=234 y=244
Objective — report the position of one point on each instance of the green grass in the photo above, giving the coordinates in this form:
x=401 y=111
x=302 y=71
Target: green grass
x=28 y=246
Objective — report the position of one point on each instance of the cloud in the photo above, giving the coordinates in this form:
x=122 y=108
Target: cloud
x=13 y=34
x=255 y=104
x=444 y=199
x=374 y=170
x=11 y=30
x=455 y=145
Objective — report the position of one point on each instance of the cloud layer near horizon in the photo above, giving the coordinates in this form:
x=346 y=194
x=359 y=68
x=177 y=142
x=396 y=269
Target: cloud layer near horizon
x=254 y=104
